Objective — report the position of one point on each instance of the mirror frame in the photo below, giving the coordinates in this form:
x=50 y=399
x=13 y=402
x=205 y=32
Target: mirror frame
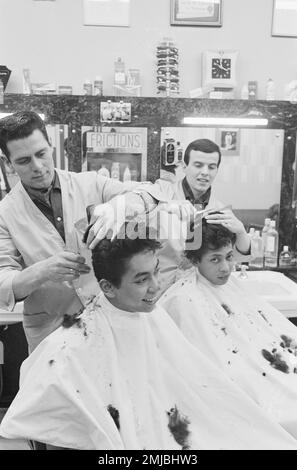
x=153 y=113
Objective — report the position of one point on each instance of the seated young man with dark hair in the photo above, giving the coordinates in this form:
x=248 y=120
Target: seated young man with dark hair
x=122 y=376
x=248 y=339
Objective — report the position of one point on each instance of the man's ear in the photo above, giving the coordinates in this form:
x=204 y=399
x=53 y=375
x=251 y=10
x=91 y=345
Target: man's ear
x=6 y=160
x=107 y=288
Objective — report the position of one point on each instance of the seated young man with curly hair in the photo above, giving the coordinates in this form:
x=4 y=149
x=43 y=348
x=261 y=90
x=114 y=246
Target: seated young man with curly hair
x=247 y=338
x=122 y=376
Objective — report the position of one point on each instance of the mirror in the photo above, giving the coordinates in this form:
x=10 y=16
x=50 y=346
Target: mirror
x=249 y=176
x=58 y=135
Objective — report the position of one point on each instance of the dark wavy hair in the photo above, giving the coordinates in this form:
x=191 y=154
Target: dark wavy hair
x=214 y=237
x=19 y=126
x=110 y=257
x=202 y=145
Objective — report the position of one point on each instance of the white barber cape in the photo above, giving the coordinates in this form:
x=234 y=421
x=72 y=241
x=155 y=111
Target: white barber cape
x=120 y=380
x=247 y=338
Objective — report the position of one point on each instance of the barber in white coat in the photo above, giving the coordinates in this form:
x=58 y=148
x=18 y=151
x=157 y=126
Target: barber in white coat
x=202 y=159
x=42 y=220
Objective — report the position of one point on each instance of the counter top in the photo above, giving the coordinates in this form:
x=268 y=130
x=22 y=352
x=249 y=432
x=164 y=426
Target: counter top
x=275 y=287
x=12 y=317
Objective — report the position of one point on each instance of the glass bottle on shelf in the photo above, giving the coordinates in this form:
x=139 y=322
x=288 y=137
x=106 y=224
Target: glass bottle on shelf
x=103 y=171
x=127 y=174
x=256 y=251
x=285 y=257
x=134 y=174
x=244 y=95
x=270 y=90
x=115 y=171
x=251 y=232
x=265 y=230
x=119 y=72
x=98 y=86
x=26 y=82
x=271 y=246
x=88 y=87
x=179 y=152
x=253 y=90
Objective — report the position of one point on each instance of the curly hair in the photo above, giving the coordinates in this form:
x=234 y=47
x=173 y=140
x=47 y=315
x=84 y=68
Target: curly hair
x=213 y=237
x=18 y=126
x=110 y=257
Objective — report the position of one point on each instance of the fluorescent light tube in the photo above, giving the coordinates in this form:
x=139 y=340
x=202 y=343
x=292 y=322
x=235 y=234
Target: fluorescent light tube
x=226 y=121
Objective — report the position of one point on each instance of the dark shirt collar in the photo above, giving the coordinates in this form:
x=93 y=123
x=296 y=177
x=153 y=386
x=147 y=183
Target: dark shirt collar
x=33 y=192
x=203 y=199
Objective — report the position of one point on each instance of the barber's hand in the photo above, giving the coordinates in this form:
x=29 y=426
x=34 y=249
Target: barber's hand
x=183 y=209
x=65 y=266
x=108 y=218
x=227 y=219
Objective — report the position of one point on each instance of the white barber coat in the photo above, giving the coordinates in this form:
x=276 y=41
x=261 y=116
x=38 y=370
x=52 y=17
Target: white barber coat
x=146 y=387
x=27 y=236
x=172 y=262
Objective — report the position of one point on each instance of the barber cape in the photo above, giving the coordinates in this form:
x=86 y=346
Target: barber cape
x=120 y=380
x=244 y=336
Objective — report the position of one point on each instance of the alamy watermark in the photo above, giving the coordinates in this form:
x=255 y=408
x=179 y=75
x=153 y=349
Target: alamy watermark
x=175 y=222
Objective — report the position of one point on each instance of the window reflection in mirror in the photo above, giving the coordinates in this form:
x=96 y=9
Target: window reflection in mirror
x=58 y=136
x=249 y=176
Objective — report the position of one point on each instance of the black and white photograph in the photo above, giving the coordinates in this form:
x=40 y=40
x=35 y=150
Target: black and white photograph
x=229 y=141
x=148 y=234
x=115 y=111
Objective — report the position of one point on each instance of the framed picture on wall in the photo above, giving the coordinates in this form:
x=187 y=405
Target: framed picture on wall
x=229 y=141
x=284 y=18
x=196 y=12
x=115 y=112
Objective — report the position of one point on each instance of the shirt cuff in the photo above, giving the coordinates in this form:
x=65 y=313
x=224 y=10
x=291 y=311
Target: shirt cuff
x=7 y=298
x=152 y=190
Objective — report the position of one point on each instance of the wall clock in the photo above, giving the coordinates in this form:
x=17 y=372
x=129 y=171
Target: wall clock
x=219 y=69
